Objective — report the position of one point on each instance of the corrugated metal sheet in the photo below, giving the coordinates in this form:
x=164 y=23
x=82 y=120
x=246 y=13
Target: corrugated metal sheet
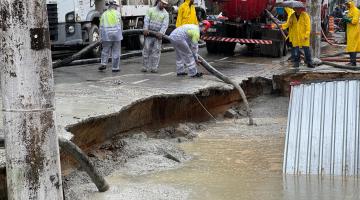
x=323 y=134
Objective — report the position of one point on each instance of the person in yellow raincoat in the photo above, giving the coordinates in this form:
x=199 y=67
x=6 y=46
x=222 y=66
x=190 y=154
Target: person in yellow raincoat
x=299 y=35
x=186 y=14
x=352 y=31
x=289 y=12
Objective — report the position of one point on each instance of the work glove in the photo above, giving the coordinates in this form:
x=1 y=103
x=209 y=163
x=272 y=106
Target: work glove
x=146 y=32
x=346 y=20
x=159 y=36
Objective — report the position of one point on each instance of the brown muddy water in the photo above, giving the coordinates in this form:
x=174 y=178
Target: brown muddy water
x=230 y=161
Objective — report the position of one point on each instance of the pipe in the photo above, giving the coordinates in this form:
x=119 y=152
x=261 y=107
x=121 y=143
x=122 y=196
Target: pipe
x=83 y=160
x=340 y=66
x=226 y=79
x=85 y=163
x=91 y=46
x=338 y=59
x=123 y=56
x=276 y=21
x=328 y=41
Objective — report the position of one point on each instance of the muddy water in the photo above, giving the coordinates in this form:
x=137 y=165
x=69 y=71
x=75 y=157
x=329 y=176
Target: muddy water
x=233 y=161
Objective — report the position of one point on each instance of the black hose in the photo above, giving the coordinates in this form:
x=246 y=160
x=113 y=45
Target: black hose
x=123 y=56
x=85 y=163
x=339 y=66
x=82 y=159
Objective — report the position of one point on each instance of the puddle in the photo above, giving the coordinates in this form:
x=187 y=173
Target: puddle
x=232 y=161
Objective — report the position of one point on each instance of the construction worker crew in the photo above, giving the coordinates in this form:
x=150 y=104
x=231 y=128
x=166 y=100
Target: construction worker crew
x=111 y=36
x=352 y=31
x=156 y=19
x=186 y=14
x=185 y=41
x=299 y=35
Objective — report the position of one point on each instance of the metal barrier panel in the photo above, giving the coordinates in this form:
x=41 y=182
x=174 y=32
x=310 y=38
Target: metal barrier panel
x=322 y=135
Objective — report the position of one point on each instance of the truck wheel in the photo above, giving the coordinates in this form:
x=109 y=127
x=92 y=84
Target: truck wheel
x=135 y=42
x=285 y=49
x=276 y=49
x=94 y=36
x=226 y=47
x=212 y=47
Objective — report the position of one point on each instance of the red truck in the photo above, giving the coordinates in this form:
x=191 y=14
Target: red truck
x=244 y=22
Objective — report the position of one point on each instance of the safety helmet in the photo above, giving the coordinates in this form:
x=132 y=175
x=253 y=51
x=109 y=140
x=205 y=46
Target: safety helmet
x=164 y=2
x=112 y=3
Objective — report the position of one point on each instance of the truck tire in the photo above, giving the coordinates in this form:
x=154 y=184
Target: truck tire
x=226 y=47
x=94 y=36
x=212 y=47
x=278 y=49
x=135 y=42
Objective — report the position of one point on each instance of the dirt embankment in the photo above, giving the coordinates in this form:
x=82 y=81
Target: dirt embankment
x=132 y=155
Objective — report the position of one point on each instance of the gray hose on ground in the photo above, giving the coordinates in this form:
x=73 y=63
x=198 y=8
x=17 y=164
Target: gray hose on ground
x=123 y=56
x=82 y=159
x=85 y=163
x=88 y=48
x=339 y=66
x=227 y=80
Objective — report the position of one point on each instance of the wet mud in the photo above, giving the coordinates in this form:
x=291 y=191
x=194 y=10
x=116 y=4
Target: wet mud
x=223 y=159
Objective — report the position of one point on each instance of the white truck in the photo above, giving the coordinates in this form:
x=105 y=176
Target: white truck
x=76 y=22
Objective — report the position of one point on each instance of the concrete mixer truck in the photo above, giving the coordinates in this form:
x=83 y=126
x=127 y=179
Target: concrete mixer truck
x=244 y=22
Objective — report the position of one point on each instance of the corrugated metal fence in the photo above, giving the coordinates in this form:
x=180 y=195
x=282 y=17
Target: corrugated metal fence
x=322 y=136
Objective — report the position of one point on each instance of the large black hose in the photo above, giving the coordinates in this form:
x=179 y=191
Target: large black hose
x=91 y=46
x=85 y=163
x=123 y=56
x=227 y=80
x=82 y=159
x=340 y=66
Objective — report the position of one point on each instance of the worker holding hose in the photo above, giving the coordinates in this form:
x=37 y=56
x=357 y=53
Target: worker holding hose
x=185 y=41
x=352 y=31
x=111 y=36
x=299 y=35
x=289 y=12
x=156 y=19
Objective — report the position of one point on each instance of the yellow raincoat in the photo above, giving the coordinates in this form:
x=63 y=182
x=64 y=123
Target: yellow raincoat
x=353 y=30
x=186 y=14
x=299 y=30
x=289 y=12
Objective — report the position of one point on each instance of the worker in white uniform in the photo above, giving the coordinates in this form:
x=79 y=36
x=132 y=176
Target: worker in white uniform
x=185 y=41
x=111 y=36
x=157 y=20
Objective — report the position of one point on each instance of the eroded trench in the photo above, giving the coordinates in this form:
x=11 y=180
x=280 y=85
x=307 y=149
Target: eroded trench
x=157 y=133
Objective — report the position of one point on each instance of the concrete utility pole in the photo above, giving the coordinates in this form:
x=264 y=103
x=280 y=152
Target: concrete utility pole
x=32 y=152
x=314 y=8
